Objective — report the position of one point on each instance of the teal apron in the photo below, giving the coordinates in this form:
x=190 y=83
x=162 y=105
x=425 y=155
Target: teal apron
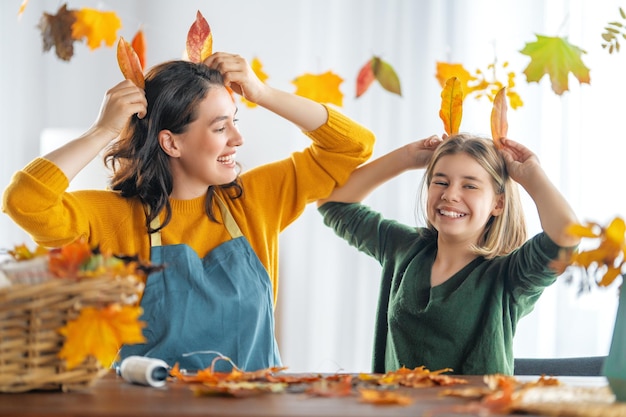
x=221 y=304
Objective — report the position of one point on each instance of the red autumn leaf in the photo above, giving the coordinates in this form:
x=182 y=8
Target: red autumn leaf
x=365 y=78
x=56 y=30
x=129 y=63
x=139 y=45
x=199 y=39
x=499 y=123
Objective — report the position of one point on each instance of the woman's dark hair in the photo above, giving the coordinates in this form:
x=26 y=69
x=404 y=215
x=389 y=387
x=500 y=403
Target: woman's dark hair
x=140 y=167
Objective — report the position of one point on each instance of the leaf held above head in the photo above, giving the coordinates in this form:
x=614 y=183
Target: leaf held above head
x=451 y=110
x=499 y=123
x=139 y=45
x=129 y=63
x=386 y=76
x=365 y=78
x=199 y=40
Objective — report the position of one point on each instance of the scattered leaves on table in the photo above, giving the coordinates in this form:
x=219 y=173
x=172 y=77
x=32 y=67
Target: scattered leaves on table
x=323 y=88
x=451 y=111
x=415 y=378
x=384 y=397
x=556 y=57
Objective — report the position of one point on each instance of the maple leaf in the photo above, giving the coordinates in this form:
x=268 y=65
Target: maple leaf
x=130 y=63
x=556 y=57
x=199 y=40
x=100 y=333
x=499 y=123
x=139 y=45
x=451 y=110
x=96 y=26
x=445 y=71
x=257 y=67
x=56 y=30
x=323 y=88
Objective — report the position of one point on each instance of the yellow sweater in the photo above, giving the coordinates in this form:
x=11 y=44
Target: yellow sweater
x=274 y=196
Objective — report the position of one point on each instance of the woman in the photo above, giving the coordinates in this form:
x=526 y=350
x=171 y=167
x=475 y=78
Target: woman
x=177 y=199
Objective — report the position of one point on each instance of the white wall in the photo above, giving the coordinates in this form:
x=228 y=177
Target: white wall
x=328 y=291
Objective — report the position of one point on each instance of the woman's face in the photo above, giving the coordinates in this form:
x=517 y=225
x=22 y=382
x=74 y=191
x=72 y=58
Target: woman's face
x=206 y=151
x=461 y=198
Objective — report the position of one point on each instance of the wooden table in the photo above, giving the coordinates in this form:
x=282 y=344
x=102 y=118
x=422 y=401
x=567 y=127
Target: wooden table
x=112 y=396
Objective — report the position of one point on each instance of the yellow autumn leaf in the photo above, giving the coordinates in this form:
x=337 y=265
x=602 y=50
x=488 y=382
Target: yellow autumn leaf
x=445 y=71
x=96 y=26
x=451 y=110
x=100 y=333
x=257 y=67
x=323 y=88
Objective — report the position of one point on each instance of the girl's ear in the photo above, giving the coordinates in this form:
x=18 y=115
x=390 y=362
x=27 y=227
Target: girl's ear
x=499 y=208
x=168 y=143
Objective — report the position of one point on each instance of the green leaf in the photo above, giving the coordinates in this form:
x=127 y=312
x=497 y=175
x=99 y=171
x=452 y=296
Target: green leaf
x=556 y=57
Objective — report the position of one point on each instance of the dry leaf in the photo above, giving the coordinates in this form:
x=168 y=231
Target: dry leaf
x=323 y=88
x=384 y=397
x=499 y=123
x=129 y=63
x=96 y=26
x=100 y=333
x=365 y=78
x=199 y=40
x=451 y=111
x=139 y=45
x=56 y=30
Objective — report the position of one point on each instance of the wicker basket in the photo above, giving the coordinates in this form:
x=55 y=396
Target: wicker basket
x=30 y=316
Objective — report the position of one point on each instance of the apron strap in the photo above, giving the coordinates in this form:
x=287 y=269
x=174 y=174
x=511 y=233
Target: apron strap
x=229 y=222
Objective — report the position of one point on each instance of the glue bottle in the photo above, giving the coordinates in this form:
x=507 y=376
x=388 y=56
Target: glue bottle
x=144 y=371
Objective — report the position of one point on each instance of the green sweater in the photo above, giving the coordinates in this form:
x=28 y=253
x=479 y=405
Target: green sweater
x=468 y=322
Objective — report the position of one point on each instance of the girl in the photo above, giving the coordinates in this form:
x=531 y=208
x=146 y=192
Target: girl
x=453 y=292
x=177 y=199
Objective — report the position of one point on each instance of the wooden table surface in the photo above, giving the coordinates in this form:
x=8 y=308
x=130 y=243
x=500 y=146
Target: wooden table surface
x=112 y=396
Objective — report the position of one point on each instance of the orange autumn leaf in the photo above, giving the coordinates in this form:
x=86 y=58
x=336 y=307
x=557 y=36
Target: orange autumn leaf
x=139 y=46
x=129 y=63
x=365 y=78
x=382 y=397
x=257 y=67
x=445 y=71
x=100 y=333
x=56 y=31
x=67 y=260
x=199 y=40
x=499 y=123
x=323 y=88
x=451 y=110
x=96 y=26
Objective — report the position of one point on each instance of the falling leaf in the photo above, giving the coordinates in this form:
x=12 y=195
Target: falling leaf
x=129 y=63
x=365 y=78
x=323 y=88
x=56 y=30
x=257 y=67
x=139 y=45
x=96 y=26
x=20 y=12
x=451 y=106
x=499 y=123
x=199 y=40
x=556 y=57
x=386 y=76
x=100 y=333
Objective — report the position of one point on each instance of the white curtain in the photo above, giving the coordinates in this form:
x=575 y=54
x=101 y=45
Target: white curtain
x=328 y=291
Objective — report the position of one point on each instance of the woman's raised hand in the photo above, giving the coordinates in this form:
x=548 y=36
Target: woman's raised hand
x=238 y=75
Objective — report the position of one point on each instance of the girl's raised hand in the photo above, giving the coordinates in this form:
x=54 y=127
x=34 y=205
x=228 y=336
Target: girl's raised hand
x=520 y=161
x=421 y=151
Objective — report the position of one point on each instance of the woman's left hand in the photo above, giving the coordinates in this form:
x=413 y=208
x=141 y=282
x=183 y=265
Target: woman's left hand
x=238 y=75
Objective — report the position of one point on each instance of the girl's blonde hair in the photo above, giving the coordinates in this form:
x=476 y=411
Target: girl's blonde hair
x=505 y=232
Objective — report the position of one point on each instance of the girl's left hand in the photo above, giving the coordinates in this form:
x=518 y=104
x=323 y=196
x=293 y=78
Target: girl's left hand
x=238 y=75
x=520 y=161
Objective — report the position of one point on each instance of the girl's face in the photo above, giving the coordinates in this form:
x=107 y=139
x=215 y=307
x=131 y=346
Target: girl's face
x=205 y=153
x=461 y=198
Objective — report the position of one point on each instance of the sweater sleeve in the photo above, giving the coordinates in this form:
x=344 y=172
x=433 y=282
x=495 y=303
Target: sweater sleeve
x=285 y=187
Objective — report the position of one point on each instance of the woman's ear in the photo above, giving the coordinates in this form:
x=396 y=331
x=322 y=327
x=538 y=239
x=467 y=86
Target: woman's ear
x=499 y=208
x=168 y=143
